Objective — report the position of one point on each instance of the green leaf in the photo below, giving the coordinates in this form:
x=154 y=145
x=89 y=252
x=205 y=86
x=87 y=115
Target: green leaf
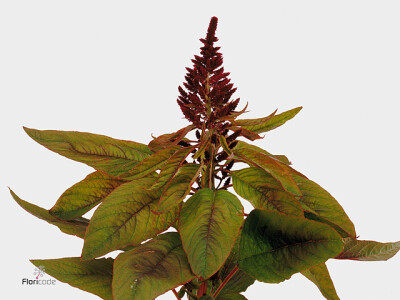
x=178 y=187
x=209 y=225
x=171 y=167
x=103 y=153
x=248 y=134
x=239 y=282
x=268 y=123
x=94 y=276
x=368 y=250
x=281 y=158
x=84 y=195
x=206 y=297
x=125 y=218
x=275 y=246
x=150 y=164
x=169 y=139
x=319 y=275
x=264 y=191
x=319 y=202
x=314 y=217
x=253 y=122
x=203 y=148
x=75 y=227
x=151 y=269
x=224 y=145
x=279 y=171
x=230 y=296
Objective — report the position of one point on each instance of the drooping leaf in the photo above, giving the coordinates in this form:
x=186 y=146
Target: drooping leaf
x=279 y=171
x=150 y=164
x=178 y=187
x=368 y=250
x=103 y=153
x=84 y=195
x=209 y=225
x=75 y=227
x=169 y=139
x=318 y=201
x=264 y=191
x=171 y=167
x=125 y=218
x=274 y=246
x=268 y=123
x=93 y=276
x=319 y=275
x=151 y=269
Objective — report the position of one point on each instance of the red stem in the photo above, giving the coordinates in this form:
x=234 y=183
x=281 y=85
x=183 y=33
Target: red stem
x=202 y=289
x=235 y=269
x=176 y=294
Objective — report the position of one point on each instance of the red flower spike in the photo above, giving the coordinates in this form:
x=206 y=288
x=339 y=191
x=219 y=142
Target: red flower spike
x=208 y=88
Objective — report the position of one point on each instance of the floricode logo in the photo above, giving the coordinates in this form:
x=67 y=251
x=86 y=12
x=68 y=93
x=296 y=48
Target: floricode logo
x=39 y=272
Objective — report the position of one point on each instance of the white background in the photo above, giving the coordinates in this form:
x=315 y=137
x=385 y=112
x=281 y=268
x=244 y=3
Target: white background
x=113 y=68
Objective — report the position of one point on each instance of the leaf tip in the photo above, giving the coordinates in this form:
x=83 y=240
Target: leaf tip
x=14 y=195
x=30 y=131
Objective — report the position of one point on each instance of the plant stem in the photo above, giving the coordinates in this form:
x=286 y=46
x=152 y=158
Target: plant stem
x=202 y=289
x=235 y=269
x=228 y=186
x=176 y=294
x=212 y=167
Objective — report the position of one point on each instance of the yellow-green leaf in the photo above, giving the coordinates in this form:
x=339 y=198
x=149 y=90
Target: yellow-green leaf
x=253 y=122
x=274 y=246
x=278 y=170
x=319 y=275
x=75 y=227
x=84 y=195
x=203 y=148
x=178 y=187
x=281 y=158
x=150 y=164
x=268 y=123
x=171 y=167
x=103 y=153
x=125 y=218
x=224 y=145
x=169 y=139
x=151 y=269
x=318 y=201
x=368 y=250
x=209 y=224
x=264 y=191
x=94 y=276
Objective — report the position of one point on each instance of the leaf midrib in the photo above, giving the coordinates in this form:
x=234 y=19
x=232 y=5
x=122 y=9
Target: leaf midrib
x=288 y=246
